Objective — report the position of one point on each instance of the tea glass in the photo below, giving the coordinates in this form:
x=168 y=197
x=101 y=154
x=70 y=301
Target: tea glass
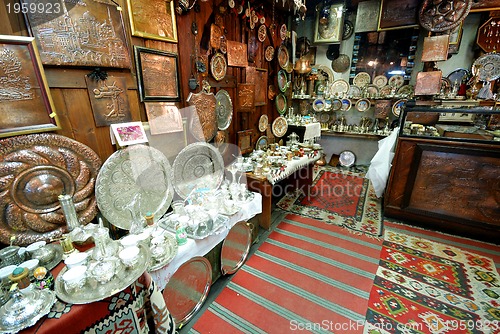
x=75 y=278
x=76 y=259
x=129 y=256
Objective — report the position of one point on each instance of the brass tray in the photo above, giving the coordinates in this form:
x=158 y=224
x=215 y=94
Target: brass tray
x=235 y=248
x=218 y=66
x=224 y=109
x=361 y=79
x=187 y=289
x=198 y=165
x=135 y=170
x=94 y=291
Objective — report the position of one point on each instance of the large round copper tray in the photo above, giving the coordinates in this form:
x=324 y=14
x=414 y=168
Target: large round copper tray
x=34 y=170
x=443 y=15
x=140 y=173
x=187 y=289
x=198 y=165
x=235 y=248
x=224 y=109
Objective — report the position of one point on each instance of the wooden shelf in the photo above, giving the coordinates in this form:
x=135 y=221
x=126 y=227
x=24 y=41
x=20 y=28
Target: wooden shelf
x=351 y=135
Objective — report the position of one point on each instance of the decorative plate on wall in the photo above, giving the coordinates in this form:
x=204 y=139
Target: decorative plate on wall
x=218 y=66
x=354 y=92
x=263 y=123
x=198 y=165
x=363 y=105
x=346 y=105
x=283 y=57
x=281 y=103
x=282 y=80
x=280 y=126
x=443 y=15
x=336 y=104
x=269 y=53
x=361 y=79
x=137 y=172
x=487 y=67
x=339 y=87
x=398 y=106
x=380 y=81
x=262 y=143
x=396 y=81
x=35 y=170
x=262 y=33
x=319 y=104
x=224 y=109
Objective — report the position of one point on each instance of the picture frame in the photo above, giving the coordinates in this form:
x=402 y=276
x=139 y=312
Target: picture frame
x=157 y=74
x=163 y=117
x=26 y=105
x=91 y=33
x=367 y=16
x=245 y=141
x=398 y=14
x=153 y=19
x=329 y=24
x=128 y=133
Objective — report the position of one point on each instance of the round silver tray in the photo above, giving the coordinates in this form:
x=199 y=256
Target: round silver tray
x=224 y=109
x=94 y=291
x=235 y=248
x=135 y=170
x=169 y=256
x=198 y=165
x=169 y=225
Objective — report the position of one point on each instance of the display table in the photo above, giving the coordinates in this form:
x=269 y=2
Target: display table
x=202 y=246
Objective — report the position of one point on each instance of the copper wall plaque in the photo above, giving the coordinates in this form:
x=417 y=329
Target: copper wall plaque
x=258 y=76
x=245 y=97
x=382 y=108
x=109 y=100
x=215 y=36
x=428 y=83
x=435 y=48
x=245 y=141
x=203 y=123
x=236 y=54
x=35 y=170
x=89 y=33
x=367 y=16
x=443 y=15
x=153 y=19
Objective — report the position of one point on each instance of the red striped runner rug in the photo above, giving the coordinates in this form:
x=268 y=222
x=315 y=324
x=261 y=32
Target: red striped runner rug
x=306 y=275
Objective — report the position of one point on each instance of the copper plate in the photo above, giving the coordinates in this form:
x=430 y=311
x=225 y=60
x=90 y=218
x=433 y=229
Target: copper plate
x=236 y=54
x=35 y=170
x=187 y=289
x=224 y=109
x=269 y=53
x=236 y=247
x=280 y=126
x=135 y=170
x=283 y=57
x=218 y=66
x=442 y=15
x=263 y=123
x=428 y=83
x=435 y=48
x=203 y=123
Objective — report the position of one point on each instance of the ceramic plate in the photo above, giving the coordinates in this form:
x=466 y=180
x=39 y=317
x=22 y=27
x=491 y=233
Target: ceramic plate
x=327 y=73
x=283 y=32
x=354 y=92
x=336 y=104
x=380 y=81
x=280 y=126
x=218 y=66
x=385 y=91
x=262 y=143
x=319 y=104
x=263 y=123
x=281 y=103
x=187 y=289
x=347 y=158
x=396 y=81
x=282 y=80
x=361 y=79
x=139 y=171
x=262 y=33
x=198 y=165
x=346 y=104
x=363 y=105
x=397 y=107
x=224 y=109
x=283 y=57
x=235 y=248
x=339 y=87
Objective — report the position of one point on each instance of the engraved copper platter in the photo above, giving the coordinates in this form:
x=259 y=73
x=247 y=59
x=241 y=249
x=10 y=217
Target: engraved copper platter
x=224 y=109
x=198 y=165
x=428 y=83
x=442 y=15
x=218 y=66
x=236 y=54
x=34 y=170
x=204 y=121
x=137 y=172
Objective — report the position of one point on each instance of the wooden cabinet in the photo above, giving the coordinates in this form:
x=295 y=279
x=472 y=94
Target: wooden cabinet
x=450 y=184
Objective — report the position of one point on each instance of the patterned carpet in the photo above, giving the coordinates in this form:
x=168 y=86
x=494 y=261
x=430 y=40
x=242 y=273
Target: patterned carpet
x=309 y=276
x=430 y=287
x=340 y=197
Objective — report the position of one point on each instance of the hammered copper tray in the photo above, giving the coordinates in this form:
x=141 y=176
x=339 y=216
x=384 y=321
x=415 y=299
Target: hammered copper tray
x=443 y=15
x=137 y=172
x=35 y=170
x=235 y=248
x=224 y=109
x=198 y=165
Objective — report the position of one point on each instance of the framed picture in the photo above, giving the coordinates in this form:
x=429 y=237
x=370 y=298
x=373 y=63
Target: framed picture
x=398 y=14
x=329 y=23
x=367 y=16
x=154 y=19
x=129 y=133
x=25 y=102
x=245 y=141
x=157 y=74
x=79 y=33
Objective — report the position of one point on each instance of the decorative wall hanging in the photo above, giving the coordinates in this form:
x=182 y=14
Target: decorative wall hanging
x=215 y=35
x=283 y=56
x=89 y=33
x=428 y=83
x=341 y=63
x=398 y=14
x=262 y=33
x=109 y=100
x=246 y=97
x=263 y=123
x=25 y=102
x=157 y=75
x=367 y=16
x=35 y=170
x=163 y=117
x=382 y=108
x=280 y=126
x=269 y=53
x=487 y=67
x=258 y=76
x=203 y=125
x=443 y=15
x=245 y=141
x=348 y=30
x=329 y=23
x=435 y=48
x=236 y=54
x=224 y=109
x=281 y=103
x=218 y=66
x=283 y=32
x=154 y=19
x=488 y=35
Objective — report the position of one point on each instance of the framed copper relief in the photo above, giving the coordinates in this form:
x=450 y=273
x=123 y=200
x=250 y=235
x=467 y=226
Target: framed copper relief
x=236 y=54
x=84 y=33
x=435 y=48
x=329 y=23
x=367 y=16
x=428 y=83
x=154 y=19
x=157 y=74
x=245 y=97
x=25 y=102
x=109 y=100
x=398 y=14
x=258 y=76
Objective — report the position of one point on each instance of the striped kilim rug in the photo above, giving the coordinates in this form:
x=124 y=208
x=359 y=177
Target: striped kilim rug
x=311 y=276
x=340 y=197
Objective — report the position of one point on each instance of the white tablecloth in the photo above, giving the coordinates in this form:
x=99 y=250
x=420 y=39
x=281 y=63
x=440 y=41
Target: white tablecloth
x=313 y=130
x=291 y=166
x=203 y=246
